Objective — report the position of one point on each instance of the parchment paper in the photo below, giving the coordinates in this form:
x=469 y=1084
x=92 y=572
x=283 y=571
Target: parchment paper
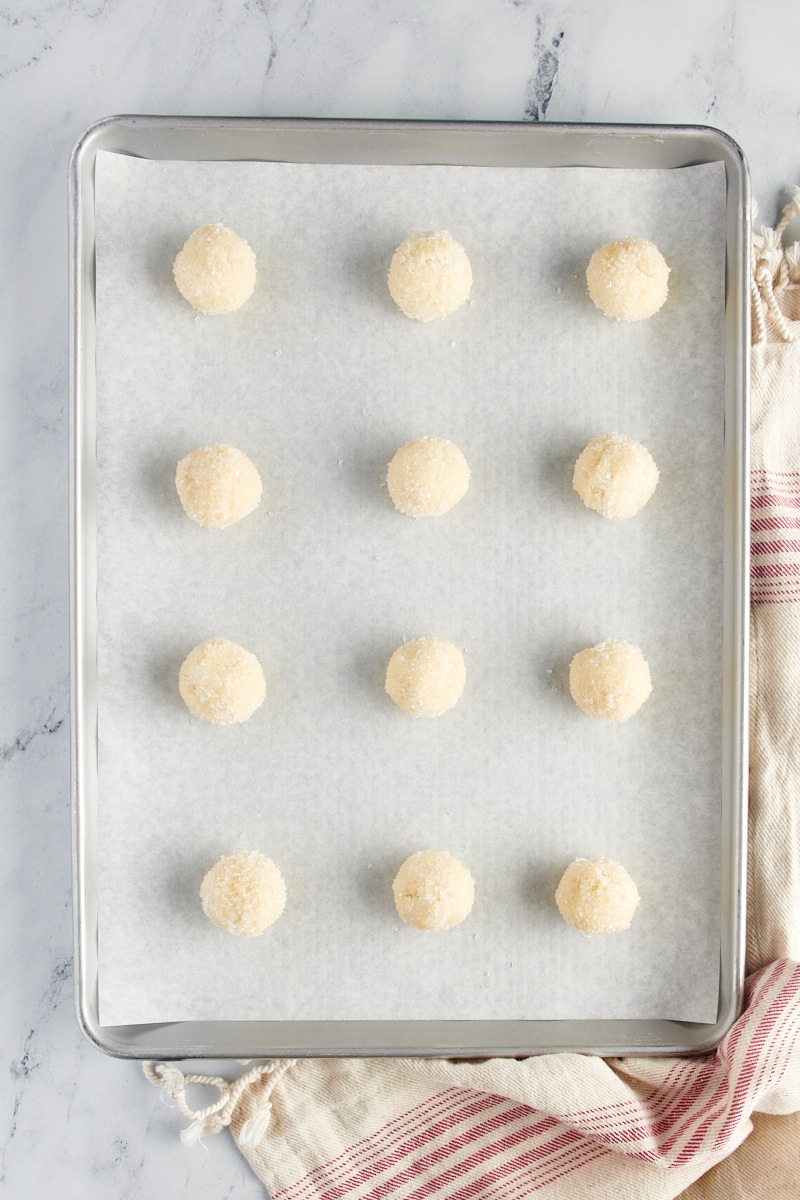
x=319 y=379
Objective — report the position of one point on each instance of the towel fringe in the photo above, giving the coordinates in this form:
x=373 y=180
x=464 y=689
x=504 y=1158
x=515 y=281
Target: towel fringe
x=217 y=1115
x=775 y=268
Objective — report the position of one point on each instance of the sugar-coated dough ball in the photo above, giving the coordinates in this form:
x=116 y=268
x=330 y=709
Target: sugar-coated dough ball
x=615 y=476
x=610 y=680
x=597 y=896
x=427 y=477
x=221 y=682
x=215 y=271
x=217 y=485
x=429 y=275
x=243 y=893
x=433 y=890
x=426 y=677
x=628 y=279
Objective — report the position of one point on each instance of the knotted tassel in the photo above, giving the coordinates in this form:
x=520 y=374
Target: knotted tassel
x=775 y=267
x=256 y=1126
x=210 y=1120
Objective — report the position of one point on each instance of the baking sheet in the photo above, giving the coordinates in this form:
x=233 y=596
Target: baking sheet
x=319 y=379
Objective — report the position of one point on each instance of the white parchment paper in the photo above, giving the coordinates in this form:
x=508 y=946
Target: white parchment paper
x=319 y=379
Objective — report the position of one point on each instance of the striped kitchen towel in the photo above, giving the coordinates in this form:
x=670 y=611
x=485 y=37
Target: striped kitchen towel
x=562 y=1125
x=569 y=1126
x=773 y=887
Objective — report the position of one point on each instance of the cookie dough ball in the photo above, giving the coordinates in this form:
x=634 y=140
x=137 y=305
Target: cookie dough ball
x=426 y=677
x=221 y=682
x=243 y=893
x=217 y=485
x=433 y=890
x=628 y=279
x=427 y=477
x=429 y=275
x=215 y=271
x=615 y=476
x=597 y=896
x=610 y=680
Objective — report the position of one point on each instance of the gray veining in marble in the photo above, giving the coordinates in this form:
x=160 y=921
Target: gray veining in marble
x=71 y=1117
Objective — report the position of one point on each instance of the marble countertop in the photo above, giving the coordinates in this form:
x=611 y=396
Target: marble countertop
x=71 y=1115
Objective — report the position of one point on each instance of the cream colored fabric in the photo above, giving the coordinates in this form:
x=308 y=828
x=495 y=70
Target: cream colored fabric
x=773 y=896
x=765 y=1167
x=773 y=893
x=332 y=1114
x=571 y=1126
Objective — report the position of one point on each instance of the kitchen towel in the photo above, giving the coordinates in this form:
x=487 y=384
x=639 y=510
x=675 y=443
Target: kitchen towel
x=570 y=1125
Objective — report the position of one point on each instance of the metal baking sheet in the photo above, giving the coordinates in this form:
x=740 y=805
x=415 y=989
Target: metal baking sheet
x=310 y=142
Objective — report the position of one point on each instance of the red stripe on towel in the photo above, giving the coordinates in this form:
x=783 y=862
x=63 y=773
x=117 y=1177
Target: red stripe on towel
x=774 y=570
x=779 y=546
x=776 y=500
x=763 y=524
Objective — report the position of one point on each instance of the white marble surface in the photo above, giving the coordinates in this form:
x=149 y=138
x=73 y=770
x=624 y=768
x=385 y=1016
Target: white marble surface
x=71 y=1117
